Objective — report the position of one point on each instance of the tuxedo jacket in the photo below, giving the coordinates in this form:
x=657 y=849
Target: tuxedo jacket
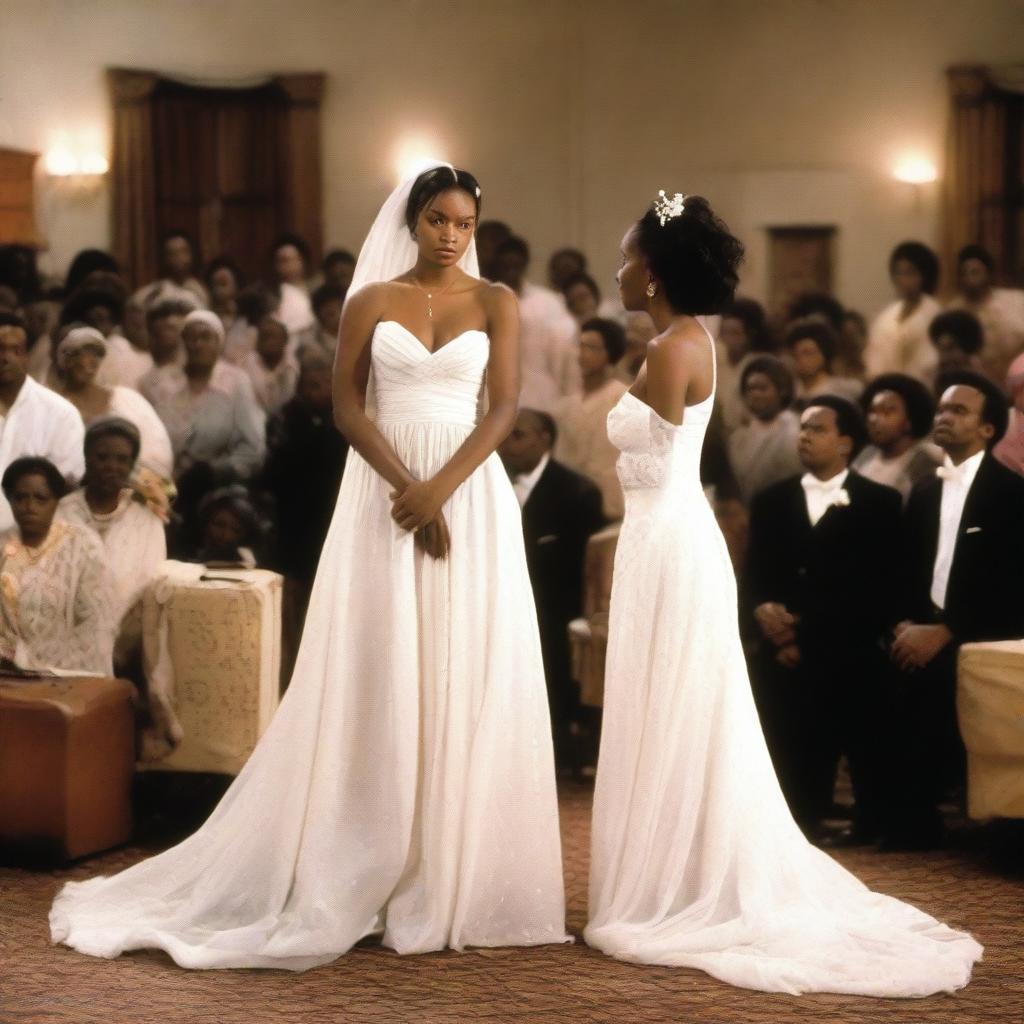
x=985 y=594
x=562 y=511
x=839 y=576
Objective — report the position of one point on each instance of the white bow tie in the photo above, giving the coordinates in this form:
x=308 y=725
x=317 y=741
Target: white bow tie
x=954 y=474
x=812 y=483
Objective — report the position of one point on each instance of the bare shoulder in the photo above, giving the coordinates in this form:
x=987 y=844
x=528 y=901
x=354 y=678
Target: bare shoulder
x=497 y=298
x=679 y=348
x=369 y=299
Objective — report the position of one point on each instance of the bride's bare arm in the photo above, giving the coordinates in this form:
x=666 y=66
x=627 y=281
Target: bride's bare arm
x=351 y=376
x=420 y=502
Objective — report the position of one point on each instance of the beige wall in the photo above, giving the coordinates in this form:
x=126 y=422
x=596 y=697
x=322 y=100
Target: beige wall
x=571 y=112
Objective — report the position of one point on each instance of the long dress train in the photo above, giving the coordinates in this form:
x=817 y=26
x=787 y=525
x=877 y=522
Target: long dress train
x=406 y=782
x=696 y=860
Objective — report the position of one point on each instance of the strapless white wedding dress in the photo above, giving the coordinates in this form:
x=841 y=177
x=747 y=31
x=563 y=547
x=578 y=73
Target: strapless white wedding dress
x=406 y=783
x=696 y=861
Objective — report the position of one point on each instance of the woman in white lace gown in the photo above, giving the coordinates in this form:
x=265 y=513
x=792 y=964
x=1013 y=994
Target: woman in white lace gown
x=696 y=860
x=406 y=783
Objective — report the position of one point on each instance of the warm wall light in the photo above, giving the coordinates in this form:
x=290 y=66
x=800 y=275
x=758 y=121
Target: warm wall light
x=79 y=173
x=915 y=170
x=414 y=155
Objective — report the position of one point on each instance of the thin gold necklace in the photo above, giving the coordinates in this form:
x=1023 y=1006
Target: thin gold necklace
x=430 y=294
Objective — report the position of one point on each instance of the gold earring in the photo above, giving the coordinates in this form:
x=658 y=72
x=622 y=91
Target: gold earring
x=652 y=289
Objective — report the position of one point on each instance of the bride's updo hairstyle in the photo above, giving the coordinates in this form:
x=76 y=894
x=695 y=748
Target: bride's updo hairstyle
x=693 y=255
x=432 y=183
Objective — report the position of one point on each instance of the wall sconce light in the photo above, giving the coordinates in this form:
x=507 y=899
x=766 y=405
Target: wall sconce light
x=915 y=170
x=76 y=172
x=414 y=155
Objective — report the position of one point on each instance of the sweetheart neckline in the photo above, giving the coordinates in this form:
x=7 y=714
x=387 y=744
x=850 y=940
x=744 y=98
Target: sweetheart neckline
x=428 y=352
x=686 y=408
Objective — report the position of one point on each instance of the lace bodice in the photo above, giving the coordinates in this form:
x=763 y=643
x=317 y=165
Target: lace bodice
x=654 y=452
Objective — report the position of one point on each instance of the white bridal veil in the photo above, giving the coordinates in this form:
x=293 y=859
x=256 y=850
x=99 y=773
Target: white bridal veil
x=389 y=249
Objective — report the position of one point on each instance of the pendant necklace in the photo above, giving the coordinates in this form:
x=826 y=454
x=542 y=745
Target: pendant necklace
x=430 y=294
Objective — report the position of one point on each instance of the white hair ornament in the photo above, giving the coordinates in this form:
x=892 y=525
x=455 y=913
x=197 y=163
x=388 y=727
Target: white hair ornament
x=666 y=208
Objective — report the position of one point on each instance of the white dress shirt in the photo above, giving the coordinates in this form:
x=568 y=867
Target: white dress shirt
x=956 y=483
x=42 y=423
x=821 y=495
x=524 y=483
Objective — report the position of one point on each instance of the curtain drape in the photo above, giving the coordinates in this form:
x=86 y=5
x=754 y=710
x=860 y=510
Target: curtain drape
x=132 y=173
x=981 y=202
x=221 y=165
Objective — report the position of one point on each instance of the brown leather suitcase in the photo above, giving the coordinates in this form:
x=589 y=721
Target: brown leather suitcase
x=67 y=756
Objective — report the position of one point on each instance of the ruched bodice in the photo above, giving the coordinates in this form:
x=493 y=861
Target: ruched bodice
x=414 y=385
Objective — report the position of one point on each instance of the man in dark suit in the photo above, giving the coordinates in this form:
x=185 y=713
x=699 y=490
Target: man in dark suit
x=964 y=582
x=561 y=509
x=821 y=546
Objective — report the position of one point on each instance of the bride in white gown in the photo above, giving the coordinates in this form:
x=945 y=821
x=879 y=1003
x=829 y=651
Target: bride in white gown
x=696 y=861
x=406 y=783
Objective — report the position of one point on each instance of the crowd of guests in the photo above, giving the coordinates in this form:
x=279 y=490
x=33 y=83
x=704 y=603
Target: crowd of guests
x=866 y=474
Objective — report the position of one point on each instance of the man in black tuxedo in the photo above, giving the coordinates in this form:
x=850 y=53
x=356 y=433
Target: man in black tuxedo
x=561 y=509
x=821 y=547
x=964 y=581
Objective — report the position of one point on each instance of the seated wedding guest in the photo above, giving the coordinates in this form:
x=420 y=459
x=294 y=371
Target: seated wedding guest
x=640 y=330
x=742 y=334
x=338 y=267
x=564 y=266
x=164 y=323
x=328 y=301
x=582 y=297
x=582 y=418
x=33 y=419
x=225 y=281
x=177 y=282
x=812 y=344
x=899 y=412
x=999 y=310
x=817 y=306
x=103 y=309
x=899 y=341
x=85 y=264
x=546 y=330
x=57 y=601
x=39 y=313
x=132 y=534
x=561 y=509
x=230 y=528
x=819 y=546
x=1010 y=450
x=853 y=343
x=128 y=356
x=489 y=235
x=80 y=354
x=271 y=369
x=305 y=459
x=289 y=260
x=963 y=550
x=763 y=450
x=958 y=340
x=217 y=427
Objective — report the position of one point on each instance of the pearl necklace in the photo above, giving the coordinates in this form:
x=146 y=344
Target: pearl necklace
x=430 y=294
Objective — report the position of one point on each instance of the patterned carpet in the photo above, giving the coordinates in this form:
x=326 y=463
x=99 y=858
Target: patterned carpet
x=39 y=984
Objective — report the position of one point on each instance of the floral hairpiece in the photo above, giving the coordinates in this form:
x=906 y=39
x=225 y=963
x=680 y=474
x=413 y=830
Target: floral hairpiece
x=667 y=209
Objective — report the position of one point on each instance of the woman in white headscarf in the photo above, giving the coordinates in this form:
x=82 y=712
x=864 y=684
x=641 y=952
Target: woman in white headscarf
x=405 y=786
x=80 y=351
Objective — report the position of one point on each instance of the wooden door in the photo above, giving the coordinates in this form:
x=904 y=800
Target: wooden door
x=801 y=260
x=219 y=169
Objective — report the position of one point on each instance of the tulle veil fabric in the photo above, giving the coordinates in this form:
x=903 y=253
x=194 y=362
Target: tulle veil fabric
x=405 y=786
